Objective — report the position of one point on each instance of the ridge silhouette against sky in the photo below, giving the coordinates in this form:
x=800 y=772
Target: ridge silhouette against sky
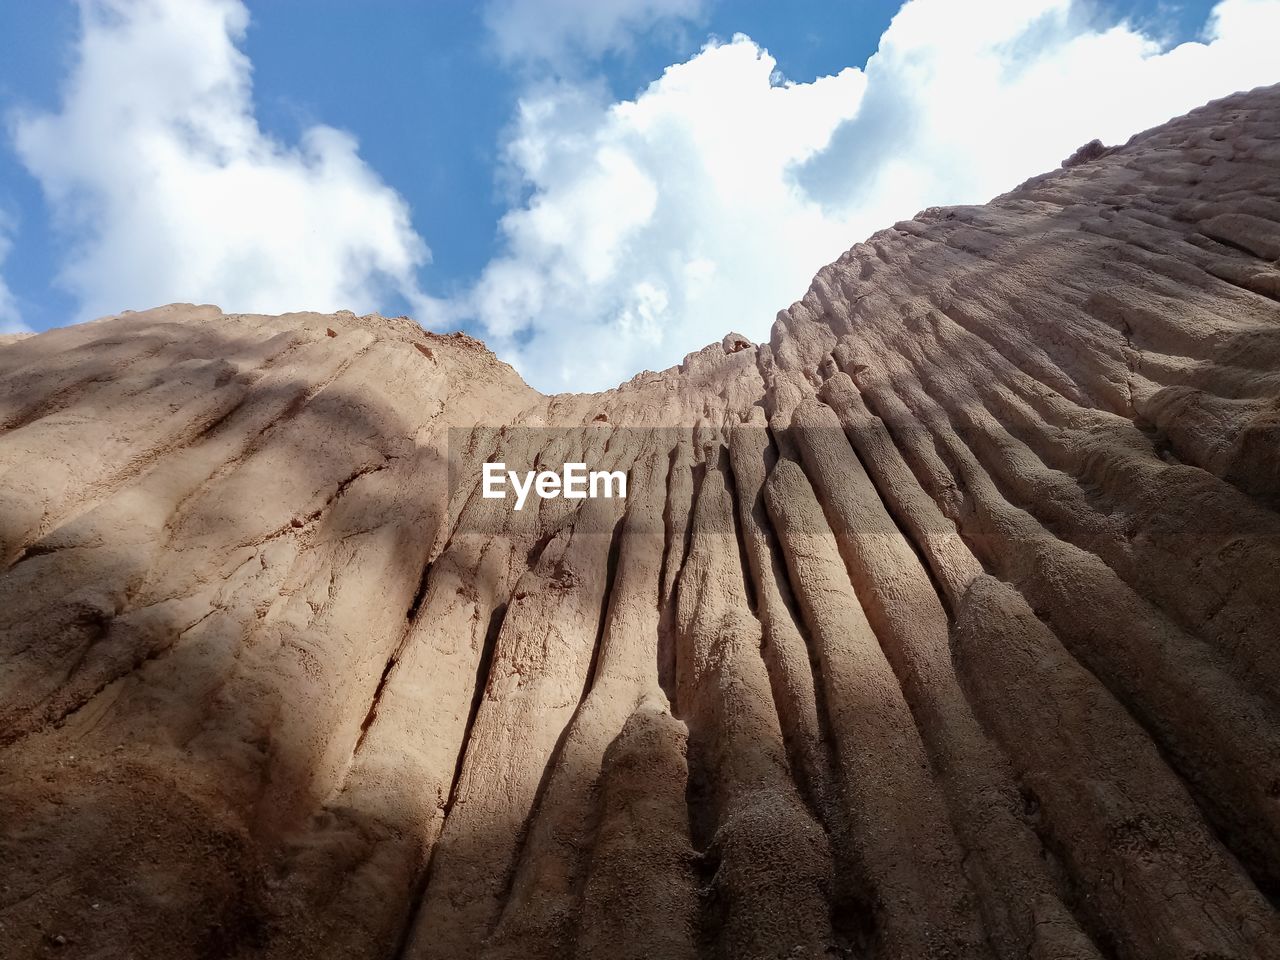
x=592 y=187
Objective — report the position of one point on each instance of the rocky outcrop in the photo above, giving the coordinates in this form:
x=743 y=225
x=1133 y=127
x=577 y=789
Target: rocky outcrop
x=945 y=625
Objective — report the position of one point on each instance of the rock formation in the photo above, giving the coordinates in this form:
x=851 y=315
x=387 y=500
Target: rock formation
x=945 y=625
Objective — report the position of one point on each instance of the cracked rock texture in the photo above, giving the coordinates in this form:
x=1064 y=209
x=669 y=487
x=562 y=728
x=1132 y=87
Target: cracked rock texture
x=945 y=625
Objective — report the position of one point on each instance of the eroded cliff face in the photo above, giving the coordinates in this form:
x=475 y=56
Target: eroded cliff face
x=946 y=625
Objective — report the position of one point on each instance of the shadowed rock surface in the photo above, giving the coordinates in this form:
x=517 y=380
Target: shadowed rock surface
x=945 y=625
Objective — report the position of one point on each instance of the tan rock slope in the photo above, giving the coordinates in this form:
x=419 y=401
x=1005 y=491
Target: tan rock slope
x=946 y=625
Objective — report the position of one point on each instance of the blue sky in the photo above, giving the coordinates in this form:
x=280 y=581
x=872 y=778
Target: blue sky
x=585 y=213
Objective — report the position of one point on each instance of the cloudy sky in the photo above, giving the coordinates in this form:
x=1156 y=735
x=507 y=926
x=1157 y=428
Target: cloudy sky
x=594 y=187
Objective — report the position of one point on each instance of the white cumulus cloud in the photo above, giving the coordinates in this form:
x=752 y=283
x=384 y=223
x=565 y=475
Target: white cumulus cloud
x=653 y=225
x=646 y=213
x=167 y=188
x=961 y=107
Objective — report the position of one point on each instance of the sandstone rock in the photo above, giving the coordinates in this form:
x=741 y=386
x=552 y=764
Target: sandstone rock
x=942 y=625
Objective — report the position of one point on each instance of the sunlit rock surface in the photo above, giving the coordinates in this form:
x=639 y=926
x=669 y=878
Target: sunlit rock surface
x=944 y=625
